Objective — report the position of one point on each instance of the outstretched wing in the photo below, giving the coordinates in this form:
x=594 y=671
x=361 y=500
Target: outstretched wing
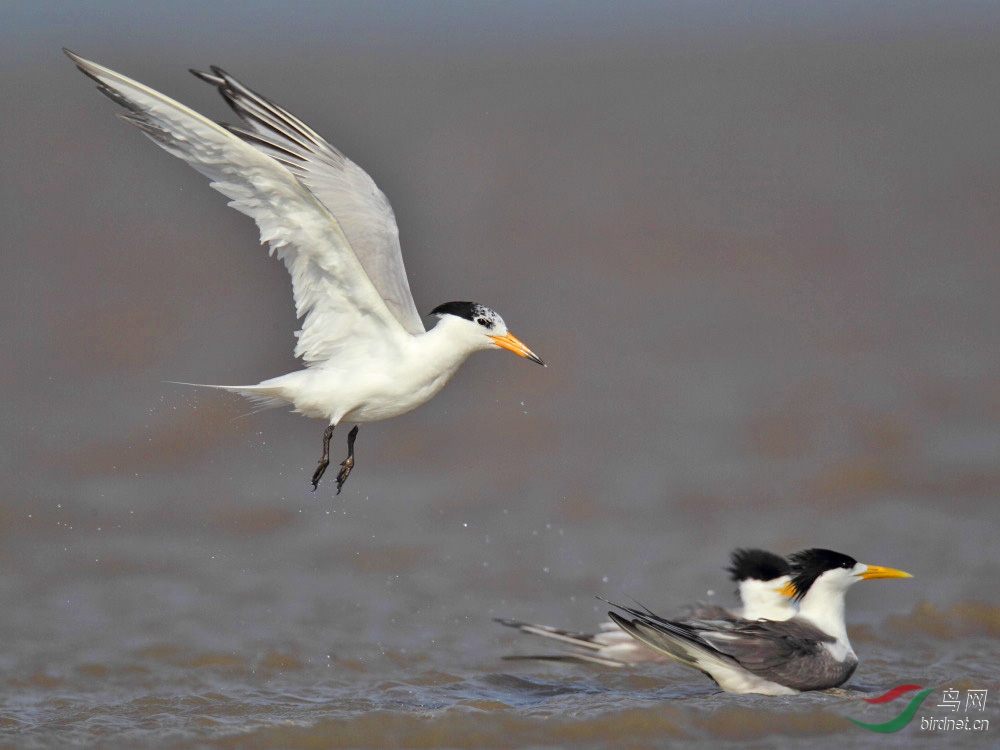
x=333 y=293
x=341 y=185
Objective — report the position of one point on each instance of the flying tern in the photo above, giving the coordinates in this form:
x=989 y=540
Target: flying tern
x=761 y=577
x=367 y=355
x=810 y=651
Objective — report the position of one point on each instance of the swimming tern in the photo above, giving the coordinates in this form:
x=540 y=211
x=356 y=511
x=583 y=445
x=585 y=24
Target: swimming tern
x=810 y=651
x=761 y=577
x=367 y=354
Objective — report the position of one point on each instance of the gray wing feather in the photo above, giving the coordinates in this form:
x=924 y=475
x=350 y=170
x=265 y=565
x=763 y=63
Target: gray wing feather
x=789 y=653
x=333 y=293
x=342 y=186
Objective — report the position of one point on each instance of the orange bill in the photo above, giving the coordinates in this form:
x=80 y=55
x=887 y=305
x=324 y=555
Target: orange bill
x=512 y=343
x=877 y=571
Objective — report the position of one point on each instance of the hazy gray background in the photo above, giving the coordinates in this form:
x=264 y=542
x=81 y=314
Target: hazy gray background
x=757 y=244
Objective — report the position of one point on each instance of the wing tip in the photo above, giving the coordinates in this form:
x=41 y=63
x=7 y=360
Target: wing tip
x=207 y=77
x=84 y=65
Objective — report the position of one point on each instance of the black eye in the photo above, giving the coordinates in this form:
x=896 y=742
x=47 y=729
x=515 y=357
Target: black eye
x=484 y=322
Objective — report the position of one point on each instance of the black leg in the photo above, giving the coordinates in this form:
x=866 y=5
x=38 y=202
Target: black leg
x=348 y=464
x=324 y=461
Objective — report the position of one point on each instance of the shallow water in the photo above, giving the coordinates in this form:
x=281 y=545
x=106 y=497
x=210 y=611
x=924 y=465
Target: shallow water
x=151 y=655
x=760 y=259
x=248 y=631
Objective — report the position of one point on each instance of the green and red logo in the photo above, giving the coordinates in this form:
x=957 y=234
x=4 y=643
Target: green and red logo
x=904 y=716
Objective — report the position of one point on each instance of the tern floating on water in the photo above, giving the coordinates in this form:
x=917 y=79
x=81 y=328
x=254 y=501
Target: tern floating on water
x=367 y=354
x=762 y=577
x=807 y=652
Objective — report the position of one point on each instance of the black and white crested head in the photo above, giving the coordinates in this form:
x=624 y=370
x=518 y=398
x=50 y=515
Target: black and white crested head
x=757 y=564
x=763 y=579
x=481 y=328
x=481 y=315
x=810 y=564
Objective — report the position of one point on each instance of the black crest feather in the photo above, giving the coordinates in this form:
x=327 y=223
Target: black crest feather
x=467 y=310
x=758 y=564
x=810 y=564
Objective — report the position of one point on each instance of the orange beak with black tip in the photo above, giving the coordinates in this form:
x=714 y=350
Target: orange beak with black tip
x=512 y=343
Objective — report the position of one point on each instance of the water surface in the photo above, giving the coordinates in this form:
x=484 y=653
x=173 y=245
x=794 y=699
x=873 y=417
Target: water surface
x=759 y=255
